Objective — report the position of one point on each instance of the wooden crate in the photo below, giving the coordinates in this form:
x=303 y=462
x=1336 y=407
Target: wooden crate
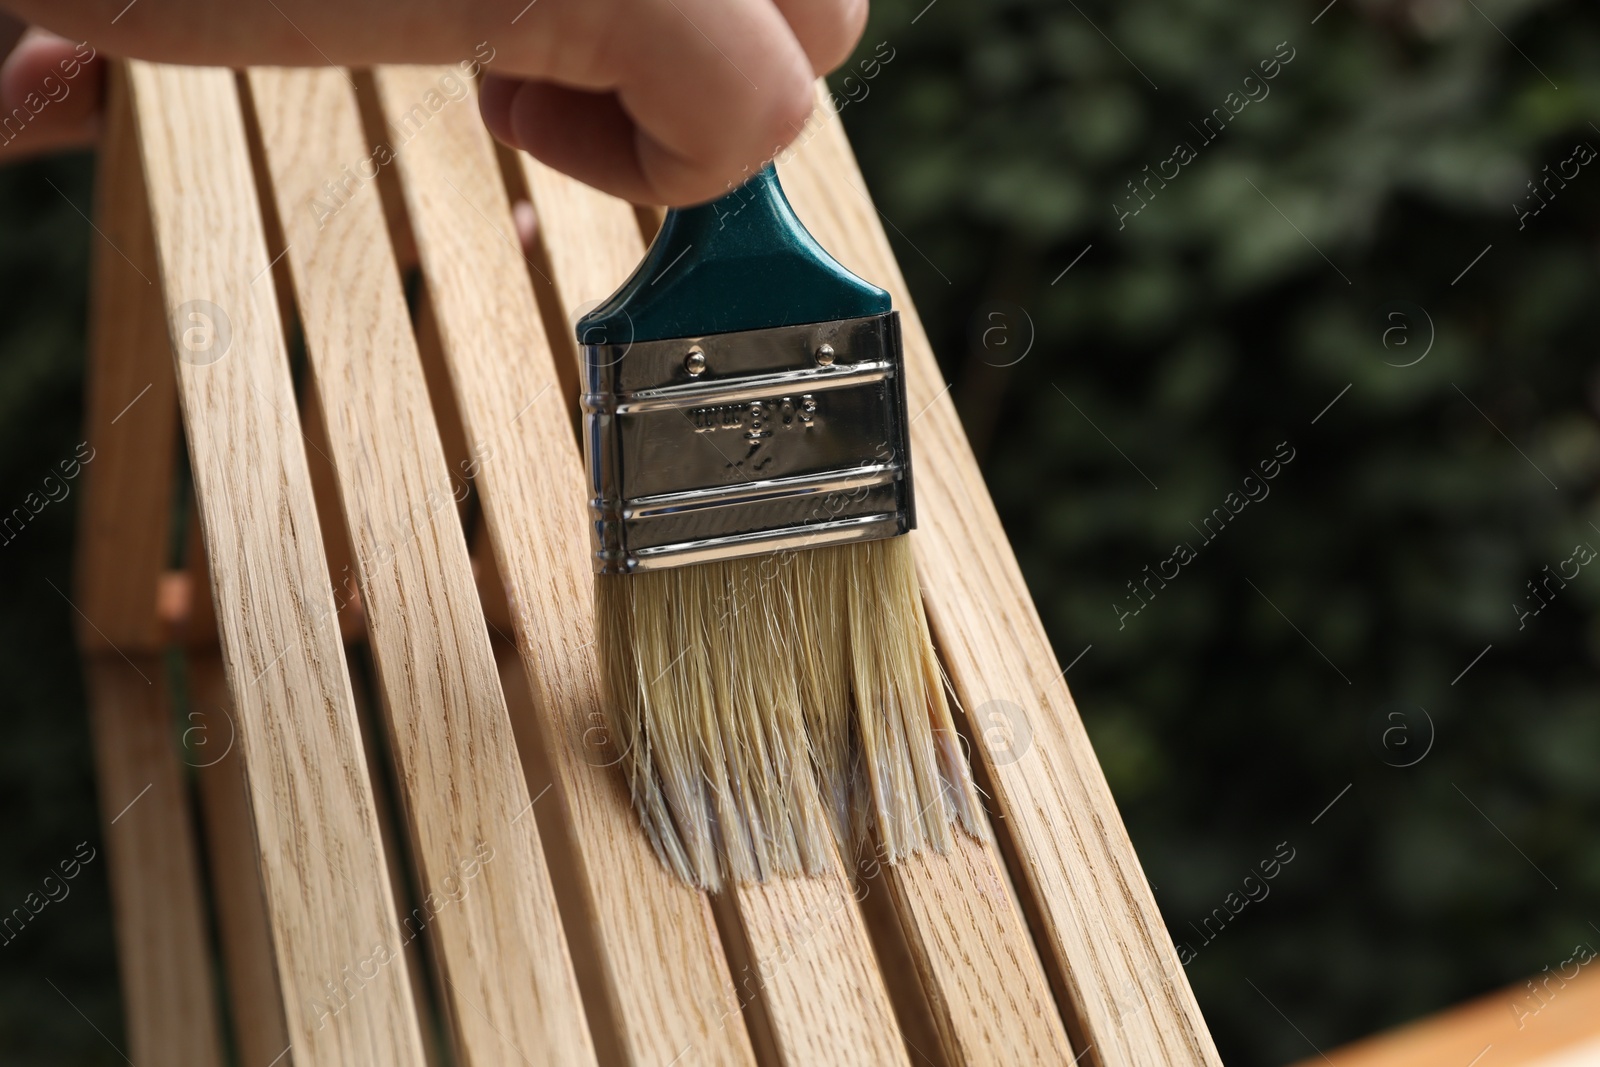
x=408 y=839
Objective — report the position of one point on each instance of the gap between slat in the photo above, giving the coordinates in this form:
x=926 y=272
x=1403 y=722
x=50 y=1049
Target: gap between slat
x=557 y=326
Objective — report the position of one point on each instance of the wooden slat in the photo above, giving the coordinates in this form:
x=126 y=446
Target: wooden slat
x=985 y=986
x=1552 y=1020
x=323 y=870
x=131 y=418
x=976 y=969
x=497 y=935
x=1101 y=936
x=162 y=948
x=655 y=982
x=260 y=1036
x=125 y=520
x=804 y=953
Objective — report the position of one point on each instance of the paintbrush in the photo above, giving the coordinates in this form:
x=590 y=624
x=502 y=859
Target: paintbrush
x=767 y=668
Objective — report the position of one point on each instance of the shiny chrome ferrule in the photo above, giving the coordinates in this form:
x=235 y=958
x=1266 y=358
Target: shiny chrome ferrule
x=741 y=444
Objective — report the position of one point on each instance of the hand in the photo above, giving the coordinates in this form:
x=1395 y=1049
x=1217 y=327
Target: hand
x=50 y=95
x=670 y=101
x=657 y=101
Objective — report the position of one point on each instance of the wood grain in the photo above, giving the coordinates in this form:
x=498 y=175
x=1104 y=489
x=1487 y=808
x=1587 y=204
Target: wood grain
x=655 y=981
x=163 y=951
x=131 y=418
x=803 y=953
x=979 y=975
x=486 y=899
x=260 y=1035
x=1096 y=923
x=345 y=990
x=986 y=989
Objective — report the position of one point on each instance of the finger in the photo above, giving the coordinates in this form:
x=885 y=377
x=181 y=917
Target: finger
x=715 y=90
x=583 y=134
x=50 y=96
x=828 y=30
x=702 y=94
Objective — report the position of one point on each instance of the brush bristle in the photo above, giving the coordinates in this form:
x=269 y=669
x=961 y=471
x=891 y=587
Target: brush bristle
x=770 y=712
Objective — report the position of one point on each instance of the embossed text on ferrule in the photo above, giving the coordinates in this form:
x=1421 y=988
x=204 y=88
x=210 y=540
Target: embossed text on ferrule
x=758 y=418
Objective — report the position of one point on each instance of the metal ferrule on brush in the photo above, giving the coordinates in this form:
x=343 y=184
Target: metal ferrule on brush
x=744 y=443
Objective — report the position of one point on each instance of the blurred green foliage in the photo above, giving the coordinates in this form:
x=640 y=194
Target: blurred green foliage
x=47 y=798
x=1315 y=243
x=1178 y=351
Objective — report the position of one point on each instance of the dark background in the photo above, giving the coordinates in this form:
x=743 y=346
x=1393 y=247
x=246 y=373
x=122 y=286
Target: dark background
x=1316 y=251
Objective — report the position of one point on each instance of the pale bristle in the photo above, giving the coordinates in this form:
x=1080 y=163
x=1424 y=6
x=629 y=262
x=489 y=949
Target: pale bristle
x=769 y=711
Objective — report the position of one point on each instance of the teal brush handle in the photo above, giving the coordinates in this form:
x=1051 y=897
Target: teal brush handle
x=743 y=262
